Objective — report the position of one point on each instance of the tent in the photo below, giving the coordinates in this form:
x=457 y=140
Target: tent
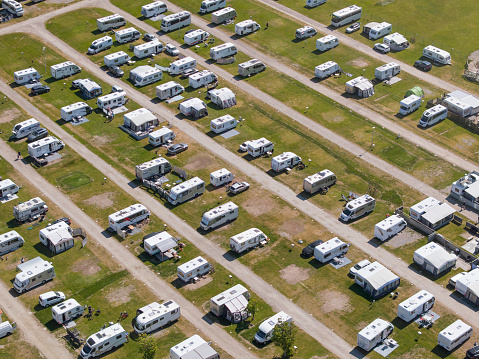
x=416 y=90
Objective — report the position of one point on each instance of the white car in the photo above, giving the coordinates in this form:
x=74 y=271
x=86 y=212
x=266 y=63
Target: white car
x=454 y=279
x=244 y=146
x=171 y=50
x=358 y=267
x=382 y=48
x=49 y=298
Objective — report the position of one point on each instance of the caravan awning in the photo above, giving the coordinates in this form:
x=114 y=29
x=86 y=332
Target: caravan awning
x=166 y=245
x=381 y=277
x=473 y=190
x=59 y=236
x=438 y=213
x=440 y=257
x=237 y=304
x=143 y=119
x=474 y=288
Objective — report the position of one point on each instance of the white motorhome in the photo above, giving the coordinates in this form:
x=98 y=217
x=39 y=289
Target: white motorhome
x=112 y=100
x=195 y=37
x=219 y=303
x=346 y=15
x=387 y=71
x=330 y=249
x=66 y=311
x=24 y=128
x=8 y=188
x=358 y=207
x=45 y=146
x=110 y=22
x=454 y=335
x=33 y=273
x=305 y=32
x=159 y=242
x=196 y=267
x=223 y=123
x=25 y=76
x=327 y=42
x=145 y=75
x=318 y=181
x=284 y=161
x=6 y=328
x=396 y=41
x=379 y=30
x=193 y=348
x=101 y=44
x=313 y=3
x=175 y=21
x=155 y=316
x=127 y=35
x=156 y=167
x=168 y=90
x=246 y=27
x=211 y=5
x=437 y=55
x=103 y=341
x=77 y=109
x=118 y=58
x=266 y=329
x=181 y=65
x=374 y=333
x=30 y=209
x=223 y=15
x=251 y=67
x=433 y=116
x=64 y=69
x=160 y=137
x=416 y=305
x=191 y=188
x=327 y=69
x=148 y=48
x=10 y=242
x=218 y=216
x=202 y=78
x=221 y=177
x=389 y=227
x=134 y=214
x=409 y=105
x=224 y=50
x=223 y=97
x=194 y=107
x=153 y=9
x=13 y=7
x=259 y=147
x=246 y=240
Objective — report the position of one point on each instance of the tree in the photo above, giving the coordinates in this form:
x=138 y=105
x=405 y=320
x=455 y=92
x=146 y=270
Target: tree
x=147 y=346
x=252 y=308
x=284 y=336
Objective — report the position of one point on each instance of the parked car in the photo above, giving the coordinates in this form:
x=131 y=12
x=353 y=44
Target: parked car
x=37 y=135
x=116 y=71
x=171 y=50
x=187 y=73
x=473 y=353
x=50 y=298
x=116 y=89
x=244 y=146
x=149 y=37
x=238 y=187
x=353 y=27
x=354 y=269
x=39 y=89
x=308 y=251
x=178 y=148
x=63 y=219
x=423 y=65
x=382 y=48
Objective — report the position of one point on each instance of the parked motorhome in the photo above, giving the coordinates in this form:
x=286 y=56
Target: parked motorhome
x=110 y=22
x=379 y=30
x=153 y=9
x=156 y=167
x=64 y=69
x=104 y=341
x=23 y=77
x=374 y=333
x=145 y=75
x=246 y=27
x=387 y=71
x=223 y=15
x=194 y=107
x=433 y=115
x=155 y=316
x=202 y=78
x=33 y=273
x=454 y=335
x=231 y=304
x=218 y=216
x=211 y=5
x=168 y=90
x=24 y=128
x=251 y=67
x=66 y=311
x=259 y=147
x=305 y=32
x=223 y=97
x=178 y=66
x=127 y=35
x=327 y=42
x=193 y=348
x=376 y=280
x=6 y=328
x=437 y=55
x=224 y=50
x=30 y=209
x=319 y=181
x=416 y=305
x=182 y=192
x=360 y=86
x=195 y=37
x=409 y=105
x=112 y=100
x=193 y=268
x=434 y=258
x=266 y=329
x=118 y=58
x=346 y=15
x=327 y=69
x=389 y=227
x=13 y=7
x=223 y=123
x=57 y=237
x=132 y=215
x=10 y=242
x=330 y=249
x=175 y=21
x=313 y=3
x=160 y=137
x=284 y=161
x=247 y=240
x=396 y=41
x=74 y=110
x=101 y=44
x=148 y=48
x=45 y=146
x=159 y=243
x=8 y=188
x=221 y=177
x=358 y=207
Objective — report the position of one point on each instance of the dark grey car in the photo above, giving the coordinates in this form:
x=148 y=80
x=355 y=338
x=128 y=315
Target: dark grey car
x=116 y=71
x=175 y=149
x=37 y=135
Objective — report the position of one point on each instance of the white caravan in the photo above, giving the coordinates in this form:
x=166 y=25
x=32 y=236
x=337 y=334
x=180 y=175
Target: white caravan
x=10 y=242
x=284 y=161
x=160 y=137
x=305 y=32
x=127 y=35
x=251 y=67
x=181 y=65
x=358 y=207
x=374 y=334
x=328 y=250
x=66 y=311
x=168 y=90
x=6 y=328
x=101 y=44
x=409 y=105
x=128 y=216
x=223 y=15
x=221 y=177
x=193 y=348
x=159 y=243
x=77 y=109
x=420 y=208
x=175 y=21
x=396 y=41
x=314 y=3
x=202 y=78
x=327 y=42
x=45 y=146
x=217 y=303
x=246 y=240
x=224 y=50
x=454 y=335
x=30 y=209
x=223 y=123
x=156 y=167
x=33 y=273
x=148 y=48
x=112 y=100
x=118 y=58
x=387 y=71
x=110 y=22
x=23 y=77
x=346 y=15
x=155 y=316
x=318 y=181
x=153 y=9
x=64 y=69
x=416 y=305
x=211 y=5
x=266 y=329
x=50 y=298
x=190 y=270
x=259 y=147
x=145 y=75
x=437 y=55
x=380 y=30
x=223 y=97
x=433 y=116
x=327 y=69
x=389 y=227
x=246 y=27
x=192 y=188
x=104 y=341
x=8 y=188
x=24 y=128
x=13 y=7
x=195 y=37
x=218 y=216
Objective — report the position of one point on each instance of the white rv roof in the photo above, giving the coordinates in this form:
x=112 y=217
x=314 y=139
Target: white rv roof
x=30 y=203
x=147 y=45
x=283 y=157
x=116 y=55
x=245 y=23
x=437 y=50
x=74 y=106
x=386 y=67
x=192 y=264
x=329 y=245
x=187 y=346
x=57 y=233
x=437 y=213
x=425 y=204
x=222 y=119
x=222 y=46
x=222 y=92
x=319 y=176
x=32 y=268
x=304 y=28
x=163 y=240
x=246 y=235
x=112 y=96
x=106 y=333
x=358 y=202
x=473 y=190
x=24 y=72
x=360 y=82
x=326 y=65
x=270 y=323
x=6 y=183
x=167 y=85
x=327 y=38
x=390 y=222
x=152 y=163
x=153 y=4
x=260 y=142
x=101 y=39
x=65 y=306
x=469 y=278
x=409 y=100
x=193 y=182
x=28 y=122
x=161 y=132
x=182 y=61
x=89 y=85
x=464 y=97
x=195 y=33
x=140 y=116
x=223 y=11
x=220 y=172
x=396 y=37
x=63 y=64
x=109 y=17
x=456 y=103
x=215 y=212
x=416 y=301
x=200 y=75
x=8 y=236
x=125 y=31
x=42 y=142
x=145 y=70
x=126 y=212
x=192 y=102
x=376 y=274
x=380 y=26
x=229 y=294
x=155 y=310
x=177 y=15
x=373 y=329
x=249 y=63
x=455 y=330
x=346 y=10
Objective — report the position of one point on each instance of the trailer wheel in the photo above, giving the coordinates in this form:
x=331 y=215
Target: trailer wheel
x=44 y=281
x=24 y=290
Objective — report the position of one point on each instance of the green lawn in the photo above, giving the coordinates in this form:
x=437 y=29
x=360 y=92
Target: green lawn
x=14 y=344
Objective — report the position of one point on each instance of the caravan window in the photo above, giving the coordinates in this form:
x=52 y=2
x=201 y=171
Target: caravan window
x=206 y=266
x=118 y=336
x=155 y=321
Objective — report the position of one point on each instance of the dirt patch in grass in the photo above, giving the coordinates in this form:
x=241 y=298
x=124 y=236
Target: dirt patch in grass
x=405 y=237
x=103 y=200
x=415 y=353
x=334 y=301
x=198 y=162
x=102 y=140
x=86 y=266
x=9 y=115
x=257 y=207
x=120 y=295
x=61 y=1
x=333 y=116
x=294 y=274
x=361 y=325
x=291 y=228
x=316 y=357
x=359 y=62
x=202 y=282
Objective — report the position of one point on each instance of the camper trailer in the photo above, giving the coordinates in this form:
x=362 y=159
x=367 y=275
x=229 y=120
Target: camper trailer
x=134 y=214
x=160 y=137
x=437 y=55
x=153 y=9
x=416 y=305
x=65 y=69
x=305 y=32
x=33 y=273
x=193 y=348
x=155 y=168
x=23 y=77
x=387 y=71
x=101 y=44
x=45 y=146
x=218 y=216
x=223 y=15
x=224 y=50
x=374 y=333
x=360 y=86
x=29 y=210
x=202 y=78
x=409 y=105
x=454 y=335
x=168 y=90
x=155 y=316
x=379 y=30
x=145 y=75
x=103 y=341
x=118 y=58
x=251 y=67
x=194 y=107
x=24 y=128
x=127 y=35
x=159 y=242
x=77 y=109
x=57 y=237
x=66 y=311
x=112 y=100
x=246 y=27
x=265 y=329
x=259 y=147
x=327 y=69
x=175 y=21
x=10 y=242
x=319 y=181
x=330 y=249
x=346 y=15
x=223 y=123
x=13 y=7
x=148 y=48
x=396 y=42
x=231 y=303
x=211 y=5
x=389 y=227
x=110 y=22
x=193 y=268
x=223 y=97
x=313 y=3
x=422 y=207
x=221 y=177
x=327 y=42
x=192 y=188
x=284 y=161
x=178 y=66
x=358 y=207
x=433 y=116
x=8 y=188
x=247 y=240
x=195 y=37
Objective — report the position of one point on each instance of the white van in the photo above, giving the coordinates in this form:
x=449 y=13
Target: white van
x=28 y=210
x=45 y=146
x=409 y=105
x=160 y=137
x=327 y=69
x=148 y=48
x=437 y=55
x=259 y=147
x=224 y=50
x=196 y=267
x=10 y=242
x=265 y=329
x=49 y=298
x=6 y=328
x=168 y=90
x=24 y=128
x=223 y=15
x=118 y=58
x=181 y=65
x=156 y=167
x=98 y=45
x=202 y=78
x=104 y=341
x=247 y=240
x=182 y=192
x=153 y=9
x=374 y=333
x=416 y=305
x=33 y=273
x=314 y=3
x=23 y=77
x=223 y=123
x=251 y=67
x=221 y=177
x=454 y=335
x=211 y=5
x=358 y=207
x=433 y=116
x=155 y=316
x=8 y=188
x=246 y=27
x=127 y=35
x=387 y=71
x=318 y=181
x=328 y=250
x=284 y=161
x=110 y=22
x=77 y=109
x=327 y=42
x=66 y=311
x=218 y=216
x=389 y=227
x=305 y=32
x=64 y=69
x=195 y=37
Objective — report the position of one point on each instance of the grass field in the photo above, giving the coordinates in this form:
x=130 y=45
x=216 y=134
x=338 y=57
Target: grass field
x=14 y=344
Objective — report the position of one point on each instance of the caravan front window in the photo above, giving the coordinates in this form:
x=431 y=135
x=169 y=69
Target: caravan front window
x=347 y=212
x=261 y=334
x=86 y=349
x=17 y=127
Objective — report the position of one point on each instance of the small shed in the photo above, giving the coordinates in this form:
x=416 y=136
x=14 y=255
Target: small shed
x=360 y=86
x=377 y=280
x=435 y=259
x=223 y=98
x=89 y=88
x=416 y=90
x=58 y=237
x=140 y=120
